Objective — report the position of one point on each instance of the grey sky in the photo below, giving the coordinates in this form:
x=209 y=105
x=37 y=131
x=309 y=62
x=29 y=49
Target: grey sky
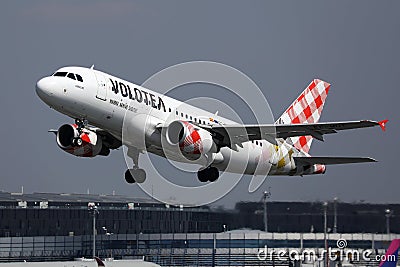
x=281 y=45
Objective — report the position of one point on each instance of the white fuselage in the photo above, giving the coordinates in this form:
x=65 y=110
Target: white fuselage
x=104 y=100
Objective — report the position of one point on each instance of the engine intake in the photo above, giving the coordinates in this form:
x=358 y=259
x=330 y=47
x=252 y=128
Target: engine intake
x=66 y=134
x=84 y=143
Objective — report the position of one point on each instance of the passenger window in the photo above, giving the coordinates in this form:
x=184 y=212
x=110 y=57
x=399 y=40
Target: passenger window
x=176 y=112
x=191 y=118
x=169 y=109
x=60 y=74
x=79 y=77
x=71 y=76
x=195 y=119
x=186 y=116
x=182 y=115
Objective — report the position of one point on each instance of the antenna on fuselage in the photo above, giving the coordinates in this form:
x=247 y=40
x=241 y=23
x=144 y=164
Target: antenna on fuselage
x=92 y=67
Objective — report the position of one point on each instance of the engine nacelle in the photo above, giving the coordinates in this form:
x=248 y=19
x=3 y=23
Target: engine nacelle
x=84 y=144
x=191 y=139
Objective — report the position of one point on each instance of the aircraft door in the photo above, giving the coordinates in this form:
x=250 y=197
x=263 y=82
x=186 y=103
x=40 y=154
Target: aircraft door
x=101 y=87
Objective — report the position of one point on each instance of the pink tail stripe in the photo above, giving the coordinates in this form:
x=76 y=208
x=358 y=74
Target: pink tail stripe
x=393 y=248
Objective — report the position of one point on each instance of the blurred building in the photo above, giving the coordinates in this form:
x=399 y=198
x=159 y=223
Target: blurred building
x=46 y=214
x=306 y=217
x=44 y=226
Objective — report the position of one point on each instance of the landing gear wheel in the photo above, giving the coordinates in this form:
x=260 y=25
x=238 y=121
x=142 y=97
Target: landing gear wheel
x=208 y=174
x=214 y=174
x=77 y=141
x=129 y=178
x=135 y=175
x=202 y=176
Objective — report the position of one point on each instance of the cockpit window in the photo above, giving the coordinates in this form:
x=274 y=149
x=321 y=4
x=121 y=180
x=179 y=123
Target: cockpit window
x=79 y=77
x=60 y=74
x=71 y=76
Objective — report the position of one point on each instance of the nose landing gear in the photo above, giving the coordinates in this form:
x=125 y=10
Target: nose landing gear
x=77 y=141
x=81 y=124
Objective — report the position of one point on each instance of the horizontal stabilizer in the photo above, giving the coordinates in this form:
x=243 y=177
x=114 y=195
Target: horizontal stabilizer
x=331 y=160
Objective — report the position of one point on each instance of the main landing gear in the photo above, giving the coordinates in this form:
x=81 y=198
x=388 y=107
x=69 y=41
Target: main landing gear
x=137 y=175
x=134 y=175
x=209 y=174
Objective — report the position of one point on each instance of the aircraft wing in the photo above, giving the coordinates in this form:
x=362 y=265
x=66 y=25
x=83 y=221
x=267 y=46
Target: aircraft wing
x=109 y=140
x=331 y=160
x=242 y=133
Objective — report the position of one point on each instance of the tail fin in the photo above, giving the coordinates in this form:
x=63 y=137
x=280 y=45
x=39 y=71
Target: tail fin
x=307 y=108
x=390 y=258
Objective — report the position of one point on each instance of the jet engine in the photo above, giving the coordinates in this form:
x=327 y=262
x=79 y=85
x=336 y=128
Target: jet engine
x=191 y=139
x=80 y=142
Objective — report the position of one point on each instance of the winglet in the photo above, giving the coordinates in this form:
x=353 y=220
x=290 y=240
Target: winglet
x=383 y=124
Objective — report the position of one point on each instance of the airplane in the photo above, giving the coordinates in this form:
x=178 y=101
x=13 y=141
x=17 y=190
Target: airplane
x=158 y=124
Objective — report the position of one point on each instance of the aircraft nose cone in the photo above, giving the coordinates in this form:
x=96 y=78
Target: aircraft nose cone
x=44 y=87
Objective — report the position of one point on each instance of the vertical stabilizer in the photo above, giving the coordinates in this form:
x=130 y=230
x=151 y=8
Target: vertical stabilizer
x=307 y=108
